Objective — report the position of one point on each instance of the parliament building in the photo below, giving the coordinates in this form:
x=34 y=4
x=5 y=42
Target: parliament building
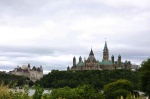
x=106 y=64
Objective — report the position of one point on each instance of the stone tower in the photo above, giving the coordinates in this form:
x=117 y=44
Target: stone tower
x=119 y=60
x=74 y=61
x=112 y=59
x=80 y=59
x=105 y=52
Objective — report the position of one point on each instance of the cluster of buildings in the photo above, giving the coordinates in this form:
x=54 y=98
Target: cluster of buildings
x=91 y=63
x=34 y=73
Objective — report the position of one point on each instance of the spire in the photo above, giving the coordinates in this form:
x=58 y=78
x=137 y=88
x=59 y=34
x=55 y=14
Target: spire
x=105 y=47
x=80 y=57
x=91 y=53
x=28 y=65
x=119 y=55
x=74 y=57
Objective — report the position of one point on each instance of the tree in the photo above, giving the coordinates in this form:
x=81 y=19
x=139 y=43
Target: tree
x=144 y=73
x=96 y=78
x=31 y=83
x=119 y=88
x=7 y=78
x=81 y=92
x=38 y=92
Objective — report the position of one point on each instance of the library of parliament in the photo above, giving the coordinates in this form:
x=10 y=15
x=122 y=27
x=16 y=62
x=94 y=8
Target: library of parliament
x=92 y=64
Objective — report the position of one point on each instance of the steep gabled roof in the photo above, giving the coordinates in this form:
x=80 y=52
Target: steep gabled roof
x=91 y=53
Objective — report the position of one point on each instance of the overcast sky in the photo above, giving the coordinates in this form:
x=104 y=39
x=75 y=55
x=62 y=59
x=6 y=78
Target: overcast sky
x=51 y=32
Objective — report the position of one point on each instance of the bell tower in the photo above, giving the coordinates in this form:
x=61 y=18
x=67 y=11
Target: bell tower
x=105 y=52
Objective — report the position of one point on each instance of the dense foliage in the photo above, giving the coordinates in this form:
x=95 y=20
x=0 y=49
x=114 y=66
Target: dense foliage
x=96 y=78
x=144 y=73
x=81 y=92
x=6 y=93
x=117 y=89
x=9 y=78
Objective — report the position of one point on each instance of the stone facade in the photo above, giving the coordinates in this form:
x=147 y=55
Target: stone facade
x=36 y=73
x=92 y=64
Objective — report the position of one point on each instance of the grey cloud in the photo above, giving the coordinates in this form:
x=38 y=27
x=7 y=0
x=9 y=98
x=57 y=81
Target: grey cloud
x=79 y=26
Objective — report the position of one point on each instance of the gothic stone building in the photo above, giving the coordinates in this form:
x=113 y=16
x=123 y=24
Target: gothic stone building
x=36 y=73
x=92 y=64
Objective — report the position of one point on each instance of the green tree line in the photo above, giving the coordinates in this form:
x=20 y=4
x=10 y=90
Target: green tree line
x=10 y=78
x=96 y=78
x=116 y=90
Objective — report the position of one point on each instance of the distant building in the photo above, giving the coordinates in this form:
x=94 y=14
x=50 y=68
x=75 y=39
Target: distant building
x=92 y=64
x=36 y=73
x=135 y=67
x=2 y=72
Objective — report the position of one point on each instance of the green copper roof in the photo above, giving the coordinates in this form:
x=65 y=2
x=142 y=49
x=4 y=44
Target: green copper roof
x=80 y=64
x=105 y=47
x=106 y=63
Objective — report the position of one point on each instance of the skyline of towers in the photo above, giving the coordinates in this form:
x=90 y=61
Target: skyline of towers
x=92 y=64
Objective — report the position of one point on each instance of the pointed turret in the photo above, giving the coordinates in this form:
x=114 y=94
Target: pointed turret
x=28 y=65
x=91 y=57
x=91 y=53
x=80 y=59
x=112 y=59
x=105 y=47
x=105 y=52
x=119 y=55
x=74 y=61
x=119 y=60
x=68 y=68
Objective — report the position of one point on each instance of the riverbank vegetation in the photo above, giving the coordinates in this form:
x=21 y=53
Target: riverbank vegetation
x=92 y=84
x=96 y=78
x=80 y=92
x=10 y=78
